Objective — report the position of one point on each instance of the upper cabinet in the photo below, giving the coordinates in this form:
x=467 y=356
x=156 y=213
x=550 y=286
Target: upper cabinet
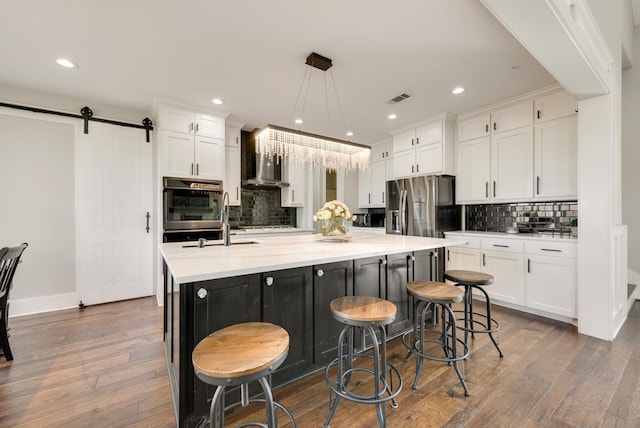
x=191 y=144
x=523 y=151
x=232 y=179
x=371 y=183
x=295 y=174
x=428 y=148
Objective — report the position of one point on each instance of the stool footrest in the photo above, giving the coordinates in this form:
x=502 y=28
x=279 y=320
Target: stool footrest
x=495 y=325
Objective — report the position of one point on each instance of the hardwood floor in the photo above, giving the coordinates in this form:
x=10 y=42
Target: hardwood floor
x=104 y=367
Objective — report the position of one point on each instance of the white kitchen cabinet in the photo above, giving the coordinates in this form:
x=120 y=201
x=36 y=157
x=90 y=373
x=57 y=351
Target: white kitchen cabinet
x=539 y=275
x=496 y=165
x=551 y=279
x=294 y=173
x=556 y=159
x=464 y=257
x=427 y=149
x=473 y=171
x=503 y=259
x=371 y=186
x=232 y=179
x=555 y=106
x=512 y=165
x=191 y=144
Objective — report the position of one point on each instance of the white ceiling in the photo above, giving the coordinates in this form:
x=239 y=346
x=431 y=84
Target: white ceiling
x=252 y=53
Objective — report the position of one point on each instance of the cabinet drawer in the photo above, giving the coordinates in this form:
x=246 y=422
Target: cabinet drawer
x=470 y=242
x=547 y=248
x=508 y=245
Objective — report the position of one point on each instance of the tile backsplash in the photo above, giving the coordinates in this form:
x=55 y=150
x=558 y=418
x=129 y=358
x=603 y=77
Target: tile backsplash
x=261 y=207
x=529 y=216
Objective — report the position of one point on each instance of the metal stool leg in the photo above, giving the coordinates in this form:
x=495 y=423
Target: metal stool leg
x=216 y=412
x=454 y=346
x=490 y=320
x=268 y=397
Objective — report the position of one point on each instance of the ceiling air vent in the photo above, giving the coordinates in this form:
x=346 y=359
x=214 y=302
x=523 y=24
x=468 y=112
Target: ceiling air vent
x=396 y=100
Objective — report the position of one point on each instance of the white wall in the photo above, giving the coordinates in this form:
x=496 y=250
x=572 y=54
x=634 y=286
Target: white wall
x=37 y=197
x=631 y=156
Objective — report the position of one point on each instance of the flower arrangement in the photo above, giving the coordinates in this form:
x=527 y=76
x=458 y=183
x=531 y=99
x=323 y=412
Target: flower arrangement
x=333 y=215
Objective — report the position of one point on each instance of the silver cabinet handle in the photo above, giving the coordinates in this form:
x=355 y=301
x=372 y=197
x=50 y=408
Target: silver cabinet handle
x=190 y=126
x=320 y=273
x=494 y=189
x=197 y=169
x=486 y=189
x=484 y=262
x=538 y=185
x=551 y=249
x=147 y=216
x=197 y=127
x=500 y=246
x=192 y=169
x=269 y=281
x=448 y=255
x=202 y=293
x=528 y=265
x=293 y=195
x=237 y=193
x=383 y=197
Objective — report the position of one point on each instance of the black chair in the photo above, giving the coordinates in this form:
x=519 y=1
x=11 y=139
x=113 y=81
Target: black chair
x=9 y=259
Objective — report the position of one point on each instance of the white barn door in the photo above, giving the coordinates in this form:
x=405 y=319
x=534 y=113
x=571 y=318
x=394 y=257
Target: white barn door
x=113 y=195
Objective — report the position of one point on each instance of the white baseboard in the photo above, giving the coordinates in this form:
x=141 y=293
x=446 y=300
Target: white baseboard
x=38 y=305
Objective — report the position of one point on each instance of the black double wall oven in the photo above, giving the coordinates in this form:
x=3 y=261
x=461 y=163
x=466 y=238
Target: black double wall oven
x=191 y=209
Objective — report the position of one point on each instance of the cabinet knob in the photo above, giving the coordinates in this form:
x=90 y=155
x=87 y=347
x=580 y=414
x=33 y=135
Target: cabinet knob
x=383 y=262
x=202 y=293
x=320 y=273
x=269 y=281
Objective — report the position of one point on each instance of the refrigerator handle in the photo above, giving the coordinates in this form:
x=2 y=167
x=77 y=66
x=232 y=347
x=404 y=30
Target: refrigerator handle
x=403 y=212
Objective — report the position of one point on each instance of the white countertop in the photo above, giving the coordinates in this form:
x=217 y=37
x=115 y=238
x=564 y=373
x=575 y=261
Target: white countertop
x=522 y=236
x=283 y=252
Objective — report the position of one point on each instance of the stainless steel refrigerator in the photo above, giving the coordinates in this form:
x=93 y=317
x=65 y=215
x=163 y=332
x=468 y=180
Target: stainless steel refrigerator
x=423 y=206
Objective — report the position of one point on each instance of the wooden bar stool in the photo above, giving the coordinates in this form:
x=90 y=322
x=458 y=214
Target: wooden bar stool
x=426 y=295
x=363 y=312
x=237 y=355
x=471 y=280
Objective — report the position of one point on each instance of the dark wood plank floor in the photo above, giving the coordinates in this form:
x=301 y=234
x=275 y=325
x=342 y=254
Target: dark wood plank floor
x=104 y=367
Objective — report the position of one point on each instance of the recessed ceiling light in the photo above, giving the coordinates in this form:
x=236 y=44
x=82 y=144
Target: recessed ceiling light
x=392 y=116
x=66 y=63
x=217 y=101
x=298 y=121
x=349 y=134
x=458 y=90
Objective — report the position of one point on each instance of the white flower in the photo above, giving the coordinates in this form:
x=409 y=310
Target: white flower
x=334 y=209
x=315 y=217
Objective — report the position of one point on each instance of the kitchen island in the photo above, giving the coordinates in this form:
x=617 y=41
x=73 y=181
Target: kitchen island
x=286 y=280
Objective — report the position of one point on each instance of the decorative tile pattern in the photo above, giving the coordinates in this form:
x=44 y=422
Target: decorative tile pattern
x=261 y=207
x=529 y=216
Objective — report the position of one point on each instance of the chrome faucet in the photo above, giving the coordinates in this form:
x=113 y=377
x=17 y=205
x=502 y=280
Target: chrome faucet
x=224 y=217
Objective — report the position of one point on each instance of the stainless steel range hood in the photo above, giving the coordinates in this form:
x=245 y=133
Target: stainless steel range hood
x=260 y=171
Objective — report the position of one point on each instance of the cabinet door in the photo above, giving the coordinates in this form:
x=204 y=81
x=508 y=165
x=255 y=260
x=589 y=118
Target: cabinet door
x=429 y=159
x=232 y=179
x=429 y=134
x=474 y=127
x=389 y=173
x=295 y=174
x=178 y=154
x=173 y=119
x=555 y=106
x=460 y=258
x=370 y=277
x=209 y=158
x=405 y=141
x=364 y=189
x=473 y=171
x=288 y=302
x=378 y=152
x=330 y=281
x=378 y=181
x=512 y=165
x=551 y=285
x=216 y=304
x=399 y=273
x=512 y=117
x=404 y=164
x=507 y=270
x=556 y=159
x=209 y=126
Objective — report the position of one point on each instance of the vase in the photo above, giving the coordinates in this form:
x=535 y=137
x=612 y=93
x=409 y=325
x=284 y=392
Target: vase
x=334 y=227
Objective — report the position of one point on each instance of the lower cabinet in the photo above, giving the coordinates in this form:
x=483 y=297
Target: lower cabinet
x=536 y=274
x=287 y=301
x=330 y=281
x=370 y=277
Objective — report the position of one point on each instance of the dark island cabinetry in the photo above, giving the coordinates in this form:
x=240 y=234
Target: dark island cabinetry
x=330 y=280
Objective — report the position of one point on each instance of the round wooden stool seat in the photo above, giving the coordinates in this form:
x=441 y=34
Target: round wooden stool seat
x=241 y=351
x=468 y=277
x=438 y=292
x=363 y=310
x=370 y=315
